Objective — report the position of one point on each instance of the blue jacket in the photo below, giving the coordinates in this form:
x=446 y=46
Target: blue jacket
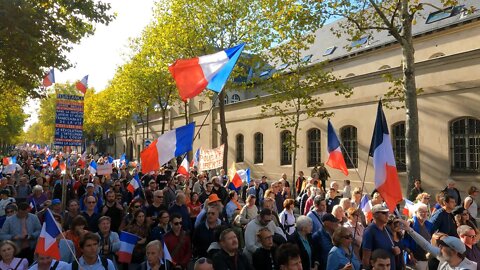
x=322 y=244
x=408 y=240
x=13 y=227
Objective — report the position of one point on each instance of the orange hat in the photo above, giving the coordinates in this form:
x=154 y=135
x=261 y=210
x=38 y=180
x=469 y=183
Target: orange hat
x=213 y=198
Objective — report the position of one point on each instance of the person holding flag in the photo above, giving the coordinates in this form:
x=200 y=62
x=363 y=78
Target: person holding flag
x=156 y=257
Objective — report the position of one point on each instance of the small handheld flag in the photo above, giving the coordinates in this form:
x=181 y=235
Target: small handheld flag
x=211 y=71
x=183 y=168
x=47 y=242
x=82 y=85
x=335 y=156
x=234 y=177
x=49 y=79
x=127 y=243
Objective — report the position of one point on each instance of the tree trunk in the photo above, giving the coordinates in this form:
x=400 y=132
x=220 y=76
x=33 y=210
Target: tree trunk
x=164 y=110
x=223 y=126
x=147 y=121
x=294 y=161
x=411 y=110
x=185 y=104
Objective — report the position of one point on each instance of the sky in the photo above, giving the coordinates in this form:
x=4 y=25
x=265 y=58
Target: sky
x=100 y=54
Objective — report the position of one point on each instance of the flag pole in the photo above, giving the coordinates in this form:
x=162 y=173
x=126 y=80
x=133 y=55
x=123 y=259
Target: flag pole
x=355 y=167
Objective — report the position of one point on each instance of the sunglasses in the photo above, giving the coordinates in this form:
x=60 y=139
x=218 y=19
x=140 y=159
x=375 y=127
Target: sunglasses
x=136 y=206
x=177 y=223
x=9 y=212
x=211 y=213
x=165 y=217
x=91 y=202
x=203 y=260
x=160 y=197
x=470 y=236
x=348 y=236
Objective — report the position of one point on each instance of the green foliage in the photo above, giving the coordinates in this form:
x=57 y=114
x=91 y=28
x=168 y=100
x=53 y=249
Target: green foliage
x=36 y=35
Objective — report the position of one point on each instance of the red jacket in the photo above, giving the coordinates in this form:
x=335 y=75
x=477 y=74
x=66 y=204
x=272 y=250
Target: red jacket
x=182 y=254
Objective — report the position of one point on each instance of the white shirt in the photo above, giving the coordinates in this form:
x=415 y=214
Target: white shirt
x=61 y=266
x=466 y=264
x=473 y=208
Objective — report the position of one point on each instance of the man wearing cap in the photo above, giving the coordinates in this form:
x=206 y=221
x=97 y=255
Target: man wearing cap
x=91 y=192
x=468 y=237
x=212 y=200
x=452 y=252
x=322 y=239
x=376 y=236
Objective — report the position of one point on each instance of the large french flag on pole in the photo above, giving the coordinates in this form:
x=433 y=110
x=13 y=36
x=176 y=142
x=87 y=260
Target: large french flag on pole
x=335 y=156
x=386 y=177
x=49 y=79
x=169 y=145
x=82 y=85
x=127 y=243
x=211 y=71
x=47 y=243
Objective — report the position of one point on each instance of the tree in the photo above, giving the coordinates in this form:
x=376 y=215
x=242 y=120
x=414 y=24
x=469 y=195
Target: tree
x=195 y=28
x=36 y=35
x=397 y=17
x=295 y=87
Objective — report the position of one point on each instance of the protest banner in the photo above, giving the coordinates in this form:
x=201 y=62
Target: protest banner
x=211 y=158
x=104 y=169
x=69 y=120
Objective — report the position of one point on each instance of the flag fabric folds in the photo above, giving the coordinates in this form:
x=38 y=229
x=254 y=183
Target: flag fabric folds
x=244 y=175
x=82 y=85
x=134 y=184
x=127 y=243
x=196 y=159
x=211 y=71
x=183 y=169
x=408 y=209
x=47 y=243
x=169 y=145
x=49 y=79
x=92 y=167
x=234 y=177
x=335 y=156
x=386 y=177
x=366 y=207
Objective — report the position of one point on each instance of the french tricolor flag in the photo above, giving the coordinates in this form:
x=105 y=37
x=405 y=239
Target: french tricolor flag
x=234 y=177
x=409 y=208
x=196 y=159
x=92 y=167
x=386 y=177
x=127 y=243
x=49 y=79
x=335 y=156
x=47 y=243
x=211 y=71
x=366 y=207
x=82 y=85
x=183 y=169
x=169 y=145
x=134 y=184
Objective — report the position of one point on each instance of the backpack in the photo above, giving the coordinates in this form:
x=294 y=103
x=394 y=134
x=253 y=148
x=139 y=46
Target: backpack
x=102 y=259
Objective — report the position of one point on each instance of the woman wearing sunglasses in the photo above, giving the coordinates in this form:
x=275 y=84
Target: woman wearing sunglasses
x=341 y=256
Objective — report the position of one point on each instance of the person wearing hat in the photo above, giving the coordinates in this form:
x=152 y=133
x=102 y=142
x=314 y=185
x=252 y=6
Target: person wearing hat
x=91 y=192
x=5 y=200
x=450 y=251
x=377 y=236
x=322 y=239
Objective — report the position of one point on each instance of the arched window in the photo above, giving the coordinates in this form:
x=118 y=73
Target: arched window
x=285 y=148
x=258 y=148
x=239 y=148
x=465 y=143
x=235 y=98
x=348 y=135
x=398 y=144
x=314 y=156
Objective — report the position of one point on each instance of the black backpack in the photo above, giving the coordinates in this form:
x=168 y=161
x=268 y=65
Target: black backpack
x=102 y=259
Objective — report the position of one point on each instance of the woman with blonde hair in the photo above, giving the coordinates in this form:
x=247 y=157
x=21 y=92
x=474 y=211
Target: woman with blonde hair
x=356 y=228
x=8 y=250
x=339 y=213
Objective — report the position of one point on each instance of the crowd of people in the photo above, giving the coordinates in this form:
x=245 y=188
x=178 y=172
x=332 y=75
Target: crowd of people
x=201 y=221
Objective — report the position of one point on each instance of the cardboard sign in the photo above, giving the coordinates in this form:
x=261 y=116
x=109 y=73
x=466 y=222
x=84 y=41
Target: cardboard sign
x=104 y=169
x=211 y=158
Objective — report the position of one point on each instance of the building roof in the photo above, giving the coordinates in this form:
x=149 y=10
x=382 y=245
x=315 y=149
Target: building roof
x=329 y=47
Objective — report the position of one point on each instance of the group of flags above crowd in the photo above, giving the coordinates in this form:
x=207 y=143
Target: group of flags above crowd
x=194 y=75
x=81 y=85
